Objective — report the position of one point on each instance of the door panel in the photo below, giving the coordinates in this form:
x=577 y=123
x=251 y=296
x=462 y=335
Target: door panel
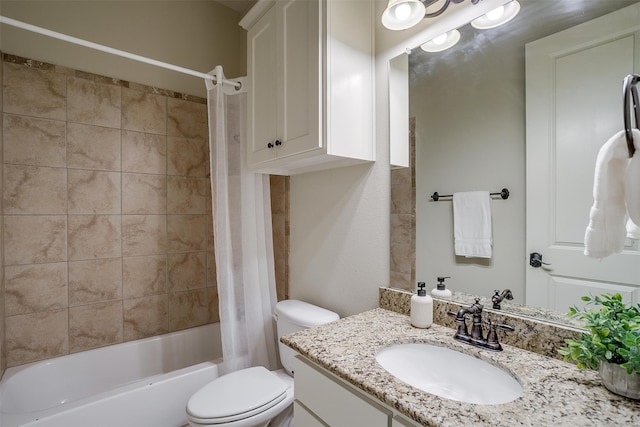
x=574 y=105
x=262 y=113
x=299 y=98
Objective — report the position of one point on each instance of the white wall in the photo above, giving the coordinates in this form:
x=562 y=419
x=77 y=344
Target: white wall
x=340 y=236
x=194 y=34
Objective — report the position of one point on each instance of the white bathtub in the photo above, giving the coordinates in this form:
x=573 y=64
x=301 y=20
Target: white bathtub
x=138 y=383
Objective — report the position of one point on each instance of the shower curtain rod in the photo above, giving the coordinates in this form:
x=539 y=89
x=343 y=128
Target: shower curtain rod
x=107 y=49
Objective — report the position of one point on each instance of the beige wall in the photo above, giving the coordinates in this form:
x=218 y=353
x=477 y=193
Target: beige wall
x=194 y=34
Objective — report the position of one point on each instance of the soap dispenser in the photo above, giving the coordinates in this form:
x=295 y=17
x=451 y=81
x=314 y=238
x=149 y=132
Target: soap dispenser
x=421 y=308
x=440 y=290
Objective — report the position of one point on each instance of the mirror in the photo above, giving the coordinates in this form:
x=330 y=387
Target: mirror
x=469 y=108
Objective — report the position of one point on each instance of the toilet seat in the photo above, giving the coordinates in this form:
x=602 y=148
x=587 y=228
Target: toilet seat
x=235 y=396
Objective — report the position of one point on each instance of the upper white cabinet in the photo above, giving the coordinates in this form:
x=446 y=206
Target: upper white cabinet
x=310 y=76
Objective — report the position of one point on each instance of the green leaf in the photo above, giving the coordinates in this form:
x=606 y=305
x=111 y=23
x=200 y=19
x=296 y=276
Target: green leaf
x=613 y=333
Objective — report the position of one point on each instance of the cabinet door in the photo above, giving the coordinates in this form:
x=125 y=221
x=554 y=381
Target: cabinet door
x=335 y=403
x=299 y=94
x=262 y=114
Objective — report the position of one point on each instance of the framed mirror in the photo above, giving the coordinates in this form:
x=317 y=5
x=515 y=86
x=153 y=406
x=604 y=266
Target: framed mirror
x=473 y=131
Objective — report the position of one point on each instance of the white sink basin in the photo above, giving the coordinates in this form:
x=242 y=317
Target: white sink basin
x=449 y=373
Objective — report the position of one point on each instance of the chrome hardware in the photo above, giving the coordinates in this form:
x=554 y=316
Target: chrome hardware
x=497 y=298
x=476 y=337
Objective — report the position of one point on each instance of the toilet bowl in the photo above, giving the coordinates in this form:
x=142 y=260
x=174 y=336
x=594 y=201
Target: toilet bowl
x=252 y=397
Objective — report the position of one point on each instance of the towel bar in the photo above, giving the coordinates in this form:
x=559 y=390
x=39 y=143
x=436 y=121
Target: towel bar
x=504 y=194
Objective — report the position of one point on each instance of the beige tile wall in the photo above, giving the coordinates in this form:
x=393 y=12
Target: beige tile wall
x=280 y=221
x=107 y=212
x=403 y=220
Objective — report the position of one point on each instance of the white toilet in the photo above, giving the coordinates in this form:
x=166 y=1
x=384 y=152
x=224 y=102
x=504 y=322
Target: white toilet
x=252 y=397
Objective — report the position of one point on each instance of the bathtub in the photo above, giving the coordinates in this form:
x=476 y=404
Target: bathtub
x=143 y=383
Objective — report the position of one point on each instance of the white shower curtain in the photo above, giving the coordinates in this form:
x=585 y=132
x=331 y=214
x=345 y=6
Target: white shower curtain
x=242 y=235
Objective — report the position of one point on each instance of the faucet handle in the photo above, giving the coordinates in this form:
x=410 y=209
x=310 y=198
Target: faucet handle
x=492 y=336
x=494 y=325
x=506 y=328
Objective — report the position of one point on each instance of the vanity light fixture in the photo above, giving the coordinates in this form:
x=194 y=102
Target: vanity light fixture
x=448 y=16
x=442 y=42
x=498 y=16
x=403 y=14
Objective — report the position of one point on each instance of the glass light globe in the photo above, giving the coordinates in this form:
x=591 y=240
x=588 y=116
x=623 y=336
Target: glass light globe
x=495 y=14
x=402 y=11
x=441 y=39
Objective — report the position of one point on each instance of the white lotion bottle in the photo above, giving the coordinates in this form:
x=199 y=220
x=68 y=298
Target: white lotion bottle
x=421 y=308
x=440 y=290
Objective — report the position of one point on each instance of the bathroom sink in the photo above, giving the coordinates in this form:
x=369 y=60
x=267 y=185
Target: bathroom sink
x=449 y=373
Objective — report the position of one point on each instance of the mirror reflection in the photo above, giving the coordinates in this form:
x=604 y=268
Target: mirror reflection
x=483 y=119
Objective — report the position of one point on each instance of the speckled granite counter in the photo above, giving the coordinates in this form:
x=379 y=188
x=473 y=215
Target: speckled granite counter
x=555 y=392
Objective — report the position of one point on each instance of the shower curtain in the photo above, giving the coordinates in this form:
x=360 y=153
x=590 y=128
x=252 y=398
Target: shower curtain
x=242 y=235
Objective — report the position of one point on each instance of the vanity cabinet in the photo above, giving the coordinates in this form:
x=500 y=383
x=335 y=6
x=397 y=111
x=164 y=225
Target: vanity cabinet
x=310 y=85
x=323 y=399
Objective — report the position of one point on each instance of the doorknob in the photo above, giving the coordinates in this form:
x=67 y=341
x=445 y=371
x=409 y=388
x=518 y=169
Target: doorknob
x=535 y=260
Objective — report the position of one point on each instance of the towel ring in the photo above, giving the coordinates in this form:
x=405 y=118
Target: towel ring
x=631 y=101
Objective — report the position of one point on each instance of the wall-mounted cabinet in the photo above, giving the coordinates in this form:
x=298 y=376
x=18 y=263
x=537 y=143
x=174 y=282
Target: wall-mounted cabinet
x=310 y=76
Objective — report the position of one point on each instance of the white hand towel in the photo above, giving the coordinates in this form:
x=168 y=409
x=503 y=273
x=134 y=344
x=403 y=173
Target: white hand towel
x=632 y=190
x=606 y=231
x=472 y=224
x=633 y=231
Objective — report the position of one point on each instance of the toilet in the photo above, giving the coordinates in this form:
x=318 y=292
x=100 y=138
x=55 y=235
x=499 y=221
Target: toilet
x=252 y=397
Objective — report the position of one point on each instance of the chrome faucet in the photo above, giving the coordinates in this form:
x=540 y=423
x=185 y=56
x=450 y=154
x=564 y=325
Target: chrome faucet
x=497 y=298
x=476 y=337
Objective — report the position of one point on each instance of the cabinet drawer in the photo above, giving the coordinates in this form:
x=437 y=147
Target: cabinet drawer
x=400 y=421
x=335 y=403
x=304 y=418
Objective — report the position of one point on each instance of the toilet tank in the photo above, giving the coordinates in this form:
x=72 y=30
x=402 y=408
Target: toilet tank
x=293 y=315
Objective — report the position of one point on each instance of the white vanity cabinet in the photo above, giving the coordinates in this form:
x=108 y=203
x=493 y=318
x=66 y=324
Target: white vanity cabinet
x=310 y=85
x=322 y=399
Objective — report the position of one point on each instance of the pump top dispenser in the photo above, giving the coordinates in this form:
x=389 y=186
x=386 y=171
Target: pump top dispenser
x=421 y=308
x=440 y=290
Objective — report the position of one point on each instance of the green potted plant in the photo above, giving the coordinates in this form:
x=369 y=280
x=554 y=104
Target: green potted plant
x=611 y=343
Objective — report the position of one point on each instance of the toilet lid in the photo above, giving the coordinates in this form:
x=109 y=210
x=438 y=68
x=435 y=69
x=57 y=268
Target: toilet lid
x=237 y=395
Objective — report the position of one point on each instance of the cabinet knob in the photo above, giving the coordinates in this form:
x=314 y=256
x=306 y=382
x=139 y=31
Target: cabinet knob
x=278 y=142
x=269 y=145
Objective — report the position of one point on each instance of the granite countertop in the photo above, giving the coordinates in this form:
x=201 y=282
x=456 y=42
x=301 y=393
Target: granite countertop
x=555 y=392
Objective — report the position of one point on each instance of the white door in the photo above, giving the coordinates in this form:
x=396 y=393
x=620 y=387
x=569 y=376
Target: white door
x=574 y=105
